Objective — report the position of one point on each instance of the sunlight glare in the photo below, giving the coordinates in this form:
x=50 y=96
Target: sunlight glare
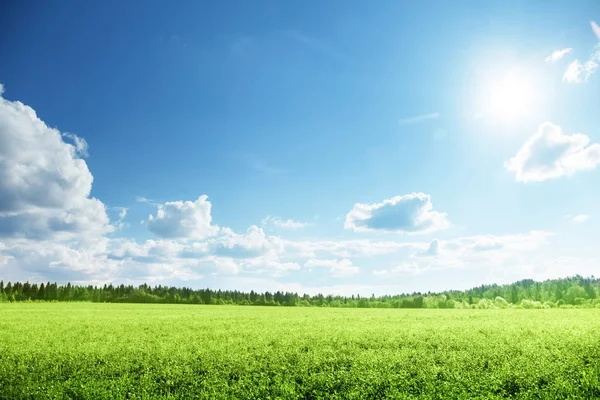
x=508 y=96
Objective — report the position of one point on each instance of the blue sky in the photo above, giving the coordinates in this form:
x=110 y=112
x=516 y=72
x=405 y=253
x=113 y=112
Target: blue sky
x=344 y=147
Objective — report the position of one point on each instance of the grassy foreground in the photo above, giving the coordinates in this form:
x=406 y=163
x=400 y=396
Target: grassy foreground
x=106 y=351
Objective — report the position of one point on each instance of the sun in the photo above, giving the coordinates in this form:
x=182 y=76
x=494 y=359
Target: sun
x=508 y=96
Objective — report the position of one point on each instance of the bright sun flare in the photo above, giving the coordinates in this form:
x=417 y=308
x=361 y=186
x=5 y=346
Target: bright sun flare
x=508 y=97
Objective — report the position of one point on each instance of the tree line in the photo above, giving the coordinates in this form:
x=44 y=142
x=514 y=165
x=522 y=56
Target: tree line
x=573 y=291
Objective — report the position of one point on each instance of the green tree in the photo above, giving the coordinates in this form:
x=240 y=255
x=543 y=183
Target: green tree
x=575 y=292
x=589 y=289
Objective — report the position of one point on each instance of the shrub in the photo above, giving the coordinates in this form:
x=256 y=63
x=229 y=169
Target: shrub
x=529 y=304
x=500 y=302
x=485 y=304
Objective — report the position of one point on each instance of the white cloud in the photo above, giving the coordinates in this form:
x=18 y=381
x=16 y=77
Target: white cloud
x=183 y=220
x=418 y=118
x=228 y=254
x=596 y=29
x=253 y=243
x=411 y=213
x=142 y=199
x=272 y=267
x=486 y=243
x=558 y=54
x=578 y=71
x=432 y=250
x=410 y=268
x=81 y=146
x=581 y=218
x=573 y=72
x=44 y=185
x=337 y=268
x=550 y=153
x=41 y=260
x=343 y=248
x=473 y=252
x=51 y=229
x=250 y=254
x=284 y=224
x=122 y=213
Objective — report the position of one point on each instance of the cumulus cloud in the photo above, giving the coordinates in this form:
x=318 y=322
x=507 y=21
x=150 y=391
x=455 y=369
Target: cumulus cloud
x=252 y=253
x=150 y=251
x=251 y=244
x=284 y=224
x=44 y=184
x=558 y=54
x=51 y=229
x=550 y=153
x=44 y=260
x=411 y=213
x=226 y=253
x=337 y=268
x=229 y=254
x=183 y=220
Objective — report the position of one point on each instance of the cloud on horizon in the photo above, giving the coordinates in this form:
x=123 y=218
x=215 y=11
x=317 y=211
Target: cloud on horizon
x=51 y=229
x=337 y=268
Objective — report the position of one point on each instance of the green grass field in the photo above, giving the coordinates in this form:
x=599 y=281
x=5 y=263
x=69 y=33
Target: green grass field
x=102 y=351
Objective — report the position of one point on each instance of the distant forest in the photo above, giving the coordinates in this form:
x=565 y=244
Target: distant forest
x=568 y=292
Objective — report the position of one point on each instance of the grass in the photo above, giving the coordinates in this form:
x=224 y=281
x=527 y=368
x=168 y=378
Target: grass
x=106 y=351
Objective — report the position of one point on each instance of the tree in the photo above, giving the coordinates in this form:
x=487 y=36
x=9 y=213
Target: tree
x=418 y=302
x=41 y=292
x=575 y=292
x=589 y=289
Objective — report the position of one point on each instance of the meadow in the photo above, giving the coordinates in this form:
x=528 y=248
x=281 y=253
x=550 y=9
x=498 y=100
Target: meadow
x=143 y=351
